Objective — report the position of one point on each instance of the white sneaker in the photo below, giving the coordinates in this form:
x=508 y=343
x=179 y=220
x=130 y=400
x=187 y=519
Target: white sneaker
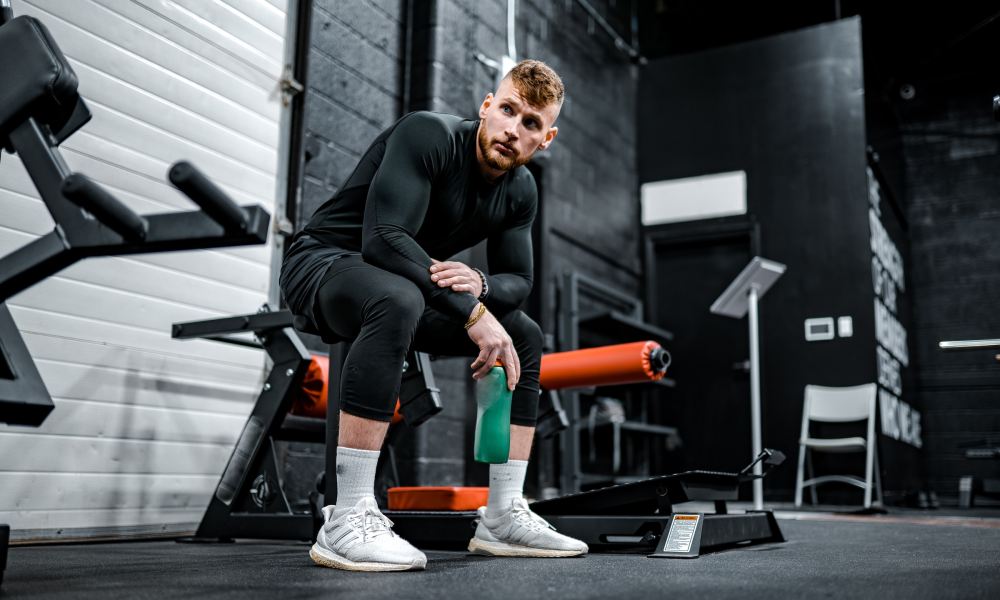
x=361 y=540
x=520 y=532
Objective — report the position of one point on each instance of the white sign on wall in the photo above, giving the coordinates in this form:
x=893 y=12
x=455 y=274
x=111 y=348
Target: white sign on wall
x=899 y=421
x=692 y=198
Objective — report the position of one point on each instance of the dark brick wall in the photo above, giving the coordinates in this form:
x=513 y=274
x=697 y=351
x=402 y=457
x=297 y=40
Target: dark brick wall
x=355 y=88
x=951 y=150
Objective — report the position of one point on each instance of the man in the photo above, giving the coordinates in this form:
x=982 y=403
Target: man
x=365 y=269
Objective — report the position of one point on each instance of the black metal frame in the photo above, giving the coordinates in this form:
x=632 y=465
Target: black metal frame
x=625 y=318
x=249 y=500
x=91 y=222
x=4 y=541
x=23 y=397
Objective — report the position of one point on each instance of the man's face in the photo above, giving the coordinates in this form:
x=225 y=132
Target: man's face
x=513 y=130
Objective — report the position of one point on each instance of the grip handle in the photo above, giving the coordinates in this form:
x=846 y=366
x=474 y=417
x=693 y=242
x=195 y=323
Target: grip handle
x=86 y=194
x=216 y=204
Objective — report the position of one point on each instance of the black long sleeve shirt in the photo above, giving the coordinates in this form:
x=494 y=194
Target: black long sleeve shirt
x=418 y=193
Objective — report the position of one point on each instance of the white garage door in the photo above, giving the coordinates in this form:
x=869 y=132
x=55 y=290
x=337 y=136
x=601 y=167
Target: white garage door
x=144 y=424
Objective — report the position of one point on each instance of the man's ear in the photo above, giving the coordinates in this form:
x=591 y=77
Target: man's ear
x=549 y=136
x=487 y=101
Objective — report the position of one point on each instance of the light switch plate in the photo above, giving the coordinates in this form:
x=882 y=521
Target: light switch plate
x=819 y=329
x=845 y=326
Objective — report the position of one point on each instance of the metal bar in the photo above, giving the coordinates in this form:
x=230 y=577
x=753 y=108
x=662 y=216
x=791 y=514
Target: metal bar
x=55 y=251
x=86 y=194
x=190 y=230
x=511 y=46
x=251 y=322
x=47 y=169
x=6 y=15
x=212 y=200
x=969 y=345
x=33 y=262
x=81 y=238
x=758 y=484
x=569 y=307
x=23 y=397
x=4 y=529
x=234 y=341
x=620 y=43
x=632 y=306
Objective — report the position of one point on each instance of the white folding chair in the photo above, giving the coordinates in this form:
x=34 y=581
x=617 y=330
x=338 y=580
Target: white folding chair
x=838 y=405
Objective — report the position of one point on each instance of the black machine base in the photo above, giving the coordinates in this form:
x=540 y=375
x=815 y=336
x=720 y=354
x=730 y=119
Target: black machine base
x=637 y=515
x=602 y=533
x=249 y=500
x=690 y=535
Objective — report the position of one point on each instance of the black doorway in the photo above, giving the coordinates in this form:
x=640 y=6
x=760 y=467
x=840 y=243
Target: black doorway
x=688 y=265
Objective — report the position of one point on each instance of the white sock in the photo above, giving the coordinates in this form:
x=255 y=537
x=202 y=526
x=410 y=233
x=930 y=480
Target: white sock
x=355 y=475
x=506 y=484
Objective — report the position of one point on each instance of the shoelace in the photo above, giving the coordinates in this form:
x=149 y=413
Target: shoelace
x=529 y=519
x=372 y=524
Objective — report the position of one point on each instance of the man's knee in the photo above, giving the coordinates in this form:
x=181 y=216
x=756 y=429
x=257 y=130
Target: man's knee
x=523 y=330
x=402 y=305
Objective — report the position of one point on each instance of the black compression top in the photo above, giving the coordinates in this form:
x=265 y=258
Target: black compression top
x=418 y=193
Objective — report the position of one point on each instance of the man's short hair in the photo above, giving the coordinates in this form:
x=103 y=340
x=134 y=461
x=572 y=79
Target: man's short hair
x=537 y=83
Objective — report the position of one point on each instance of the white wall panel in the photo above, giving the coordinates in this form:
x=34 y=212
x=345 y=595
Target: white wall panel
x=178 y=397
x=86 y=455
x=32 y=491
x=111 y=338
x=143 y=423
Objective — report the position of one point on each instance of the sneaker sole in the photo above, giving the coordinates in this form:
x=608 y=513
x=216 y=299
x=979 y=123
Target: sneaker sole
x=478 y=546
x=325 y=558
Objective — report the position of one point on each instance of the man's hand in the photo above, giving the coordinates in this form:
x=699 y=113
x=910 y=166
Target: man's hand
x=458 y=276
x=494 y=343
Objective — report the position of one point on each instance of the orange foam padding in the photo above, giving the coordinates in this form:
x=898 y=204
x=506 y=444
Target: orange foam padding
x=437 y=498
x=311 y=401
x=606 y=365
x=312 y=398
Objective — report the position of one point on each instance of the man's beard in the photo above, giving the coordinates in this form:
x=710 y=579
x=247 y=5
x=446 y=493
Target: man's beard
x=494 y=158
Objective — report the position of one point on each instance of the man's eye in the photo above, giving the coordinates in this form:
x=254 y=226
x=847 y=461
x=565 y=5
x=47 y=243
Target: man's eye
x=507 y=109
x=530 y=123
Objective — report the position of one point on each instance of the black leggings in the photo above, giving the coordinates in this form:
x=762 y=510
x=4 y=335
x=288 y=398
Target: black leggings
x=384 y=314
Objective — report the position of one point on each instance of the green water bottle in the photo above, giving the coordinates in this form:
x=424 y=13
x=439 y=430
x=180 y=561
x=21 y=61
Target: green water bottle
x=493 y=417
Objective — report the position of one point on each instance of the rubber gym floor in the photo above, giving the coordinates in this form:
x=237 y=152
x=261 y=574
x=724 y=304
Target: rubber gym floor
x=902 y=554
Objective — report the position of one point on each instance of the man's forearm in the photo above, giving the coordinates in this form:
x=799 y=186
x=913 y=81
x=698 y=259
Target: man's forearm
x=507 y=291
x=395 y=251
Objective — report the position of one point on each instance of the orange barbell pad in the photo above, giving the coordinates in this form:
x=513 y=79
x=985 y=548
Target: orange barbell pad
x=312 y=397
x=605 y=365
x=438 y=498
